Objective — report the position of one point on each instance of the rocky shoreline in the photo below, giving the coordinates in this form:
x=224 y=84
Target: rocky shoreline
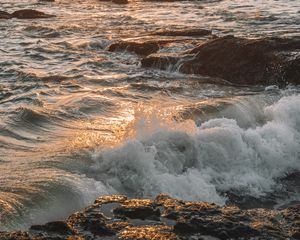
x=117 y=217
x=268 y=61
x=235 y=60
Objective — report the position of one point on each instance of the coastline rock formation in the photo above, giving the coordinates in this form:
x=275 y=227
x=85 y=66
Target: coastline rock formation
x=145 y=48
x=24 y=14
x=193 y=32
x=5 y=15
x=238 y=60
x=116 y=217
x=116 y=1
x=120 y=1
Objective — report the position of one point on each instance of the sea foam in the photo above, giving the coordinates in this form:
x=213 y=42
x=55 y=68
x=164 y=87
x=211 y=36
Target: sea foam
x=217 y=157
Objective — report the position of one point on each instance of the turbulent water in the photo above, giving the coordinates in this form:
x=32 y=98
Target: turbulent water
x=77 y=121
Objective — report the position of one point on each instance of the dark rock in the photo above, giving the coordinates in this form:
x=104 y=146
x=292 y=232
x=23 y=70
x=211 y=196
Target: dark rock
x=30 y=14
x=90 y=220
x=249 y=202
x=296 y=235
x=145 y=48
x=239 y=60
x=5 y=15
x=222 y=229
x=191 y=220
x=161 y=61
x=165 y=0
x=184 y=32
x=120 y=1
x=138 y=209
x=59 y=227
x=15 y=236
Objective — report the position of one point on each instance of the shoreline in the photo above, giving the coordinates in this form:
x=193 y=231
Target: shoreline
x=117 y=217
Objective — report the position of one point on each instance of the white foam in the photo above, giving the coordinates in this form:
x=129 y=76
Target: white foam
x=218 y=156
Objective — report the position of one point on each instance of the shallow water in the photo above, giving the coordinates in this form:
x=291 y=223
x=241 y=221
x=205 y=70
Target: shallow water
x=77 y=121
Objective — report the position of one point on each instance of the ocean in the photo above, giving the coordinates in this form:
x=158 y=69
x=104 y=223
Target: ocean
x=78 y=121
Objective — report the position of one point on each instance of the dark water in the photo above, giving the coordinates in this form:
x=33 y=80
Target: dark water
x=77 y=121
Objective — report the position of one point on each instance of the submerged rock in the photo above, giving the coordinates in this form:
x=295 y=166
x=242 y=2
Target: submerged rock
x=185 y=32
x=30 y=14
x=165 y=0
x=167 y=218
x=120 y=1
x=59 y=227
x=116 y=1
x=266 y=61
x=144 y=48
x=5 y=15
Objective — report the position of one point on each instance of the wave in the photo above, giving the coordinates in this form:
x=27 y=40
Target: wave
x=49 y=195
x=217 y=157
x=41 y=32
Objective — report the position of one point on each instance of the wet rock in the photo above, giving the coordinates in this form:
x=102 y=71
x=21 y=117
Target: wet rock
x=5 y=15
x=165 y=0
x=249 y=202
x=185 y=32
x=163 y=62
x=30 y=14
x=144 y=48
x=222 y=230
x=269 y=61
x=190 y=220
x=15 y=236
x=110 y=199
x=138 y=209
x=59 y=227
x=91 y=221
x=149 y=232
x=296 y=235
x=120 y=1
x=116 y=1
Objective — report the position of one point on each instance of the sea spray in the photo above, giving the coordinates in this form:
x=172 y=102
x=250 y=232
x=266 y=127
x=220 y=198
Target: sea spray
x=219 y=156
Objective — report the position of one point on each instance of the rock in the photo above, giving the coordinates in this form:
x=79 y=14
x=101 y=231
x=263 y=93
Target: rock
x=268 y=61
x=161 y=61
x=30 y=14
x=15 y=236
x=249 y=202
x=296 y=235
x=5 y=15
x=138 y=209
x=120 y=1
x=90 y=220
x=165 y=0
x=59 y=227
x=110 y=199
x=184 y=32
x=174 y=219
x=144 y=48
x=149 y=232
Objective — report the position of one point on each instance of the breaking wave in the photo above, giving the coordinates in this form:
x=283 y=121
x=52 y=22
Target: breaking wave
x=219 y=156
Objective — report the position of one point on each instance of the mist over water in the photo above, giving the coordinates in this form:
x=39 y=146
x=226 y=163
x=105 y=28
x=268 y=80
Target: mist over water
x=77 y=121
